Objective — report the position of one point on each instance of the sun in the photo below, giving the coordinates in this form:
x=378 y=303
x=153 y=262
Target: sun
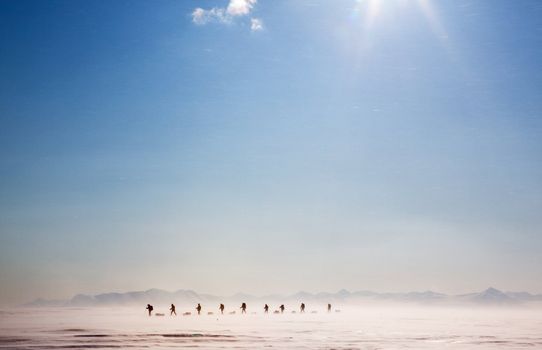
x=368 y=11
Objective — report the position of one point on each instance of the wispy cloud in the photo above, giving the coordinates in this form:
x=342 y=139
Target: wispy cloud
x=234 y=9
x=240 y=7
x=201 y=16
x=256 y=24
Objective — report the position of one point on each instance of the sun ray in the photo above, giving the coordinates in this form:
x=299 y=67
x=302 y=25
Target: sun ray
x=432 y=17
x=373 y=9
x=369 y=11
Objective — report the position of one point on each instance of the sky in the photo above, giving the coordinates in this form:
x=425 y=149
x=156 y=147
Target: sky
x=269 y=146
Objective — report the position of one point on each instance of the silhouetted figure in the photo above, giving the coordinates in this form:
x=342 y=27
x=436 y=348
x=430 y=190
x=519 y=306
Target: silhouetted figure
x=198 y=308
x=243 y=308
x=328 y=307
x=266 y=308
x=302 y=308
x=221 y=307
x=172 y=309
x=150 y=308
x=281 y=308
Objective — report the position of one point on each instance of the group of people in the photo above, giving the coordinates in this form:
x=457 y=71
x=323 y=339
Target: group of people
x=243 y=308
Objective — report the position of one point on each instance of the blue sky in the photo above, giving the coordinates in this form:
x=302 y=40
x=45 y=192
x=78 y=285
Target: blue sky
x=269 y=146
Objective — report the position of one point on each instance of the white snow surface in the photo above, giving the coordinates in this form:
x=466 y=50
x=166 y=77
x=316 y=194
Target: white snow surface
x=369 y=327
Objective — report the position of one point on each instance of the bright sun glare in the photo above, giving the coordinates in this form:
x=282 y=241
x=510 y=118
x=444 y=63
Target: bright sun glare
x=371 y=10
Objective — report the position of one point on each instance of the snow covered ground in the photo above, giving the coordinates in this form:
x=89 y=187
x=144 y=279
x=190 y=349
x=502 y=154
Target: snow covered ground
x=375 y=327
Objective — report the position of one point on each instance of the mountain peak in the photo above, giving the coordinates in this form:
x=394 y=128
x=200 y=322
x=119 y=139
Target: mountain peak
x=493 y=295
x=492 y=290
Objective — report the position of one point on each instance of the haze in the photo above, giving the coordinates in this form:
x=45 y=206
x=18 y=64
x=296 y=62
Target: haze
x=270 y=146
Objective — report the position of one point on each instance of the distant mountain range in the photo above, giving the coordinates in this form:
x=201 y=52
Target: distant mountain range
x=490 y=296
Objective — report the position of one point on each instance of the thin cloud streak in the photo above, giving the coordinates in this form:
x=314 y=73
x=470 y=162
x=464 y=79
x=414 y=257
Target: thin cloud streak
x=226 y=15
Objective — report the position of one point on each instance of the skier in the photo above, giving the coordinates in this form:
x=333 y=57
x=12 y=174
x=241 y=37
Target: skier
x=150 y=308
